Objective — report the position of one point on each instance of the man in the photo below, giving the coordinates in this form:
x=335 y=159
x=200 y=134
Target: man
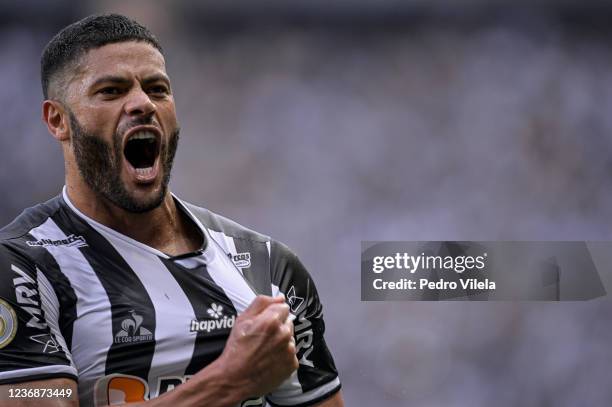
x=119 y=284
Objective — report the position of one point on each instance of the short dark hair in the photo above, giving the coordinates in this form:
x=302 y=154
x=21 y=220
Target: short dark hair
x=67 y=46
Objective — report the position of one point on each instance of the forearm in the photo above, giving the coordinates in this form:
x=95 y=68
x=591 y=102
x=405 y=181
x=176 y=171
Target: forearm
x=209 y=387
x=334 y=401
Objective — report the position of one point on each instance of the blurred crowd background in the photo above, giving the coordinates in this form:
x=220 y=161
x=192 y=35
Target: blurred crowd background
x=324 y=124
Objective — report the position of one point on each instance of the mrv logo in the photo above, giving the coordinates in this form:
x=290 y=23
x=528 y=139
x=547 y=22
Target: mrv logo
x=303 y=329
x=28 y=298
x=218 y=321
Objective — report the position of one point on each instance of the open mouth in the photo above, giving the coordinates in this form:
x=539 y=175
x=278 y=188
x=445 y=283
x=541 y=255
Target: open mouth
x=141 y=152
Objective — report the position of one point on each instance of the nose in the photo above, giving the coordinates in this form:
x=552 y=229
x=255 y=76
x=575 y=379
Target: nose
x=139 y=103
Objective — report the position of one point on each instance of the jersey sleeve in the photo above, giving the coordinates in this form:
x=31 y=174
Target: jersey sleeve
x=316 y=377
x=31 y=345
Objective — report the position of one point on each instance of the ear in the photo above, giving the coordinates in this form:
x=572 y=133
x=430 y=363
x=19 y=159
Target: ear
x=57 y=120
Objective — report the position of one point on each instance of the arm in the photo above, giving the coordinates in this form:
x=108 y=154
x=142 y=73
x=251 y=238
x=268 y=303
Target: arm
x=24 y=363
x=261 y=341
x=317 y=379
x=334 y=401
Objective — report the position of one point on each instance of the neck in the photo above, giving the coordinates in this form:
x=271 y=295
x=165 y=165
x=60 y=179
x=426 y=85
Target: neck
x=164 y=228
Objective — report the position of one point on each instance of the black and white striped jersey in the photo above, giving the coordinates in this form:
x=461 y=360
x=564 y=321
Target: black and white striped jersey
x=80 y=300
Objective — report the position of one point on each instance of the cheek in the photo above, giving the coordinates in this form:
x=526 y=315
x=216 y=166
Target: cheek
x=167 y=115
x=99 y=121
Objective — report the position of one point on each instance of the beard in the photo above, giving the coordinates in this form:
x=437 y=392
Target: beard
x=100 y=164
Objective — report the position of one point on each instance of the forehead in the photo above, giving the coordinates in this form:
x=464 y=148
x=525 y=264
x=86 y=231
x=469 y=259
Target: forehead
x=121 y=59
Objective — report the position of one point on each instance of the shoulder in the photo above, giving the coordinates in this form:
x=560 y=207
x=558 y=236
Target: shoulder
x=221 y=224
x=268 y=253
x=29 y=219
x=277 y=251
x=17 y=245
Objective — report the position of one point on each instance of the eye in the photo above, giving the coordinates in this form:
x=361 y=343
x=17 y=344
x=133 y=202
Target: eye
x=158 y=90
x=110 y=91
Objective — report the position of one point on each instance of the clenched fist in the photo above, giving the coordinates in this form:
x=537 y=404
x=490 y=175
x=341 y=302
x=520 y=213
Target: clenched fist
x=260 y=351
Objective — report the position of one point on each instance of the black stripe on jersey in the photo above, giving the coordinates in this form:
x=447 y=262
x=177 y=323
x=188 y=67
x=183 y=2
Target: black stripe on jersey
x=64 y=292
x=258 y=274
x=127 y=296
x=201 y=291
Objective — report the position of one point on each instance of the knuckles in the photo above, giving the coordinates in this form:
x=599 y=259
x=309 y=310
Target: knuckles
x=271 y=325
x=296 y=364
x=286 y=332
x=291 y=348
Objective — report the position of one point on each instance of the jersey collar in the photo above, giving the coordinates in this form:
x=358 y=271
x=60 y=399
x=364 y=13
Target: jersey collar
x=182 y=207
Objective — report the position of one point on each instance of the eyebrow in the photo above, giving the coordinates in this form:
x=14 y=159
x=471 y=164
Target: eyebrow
x=119 y=80
x=156 y=78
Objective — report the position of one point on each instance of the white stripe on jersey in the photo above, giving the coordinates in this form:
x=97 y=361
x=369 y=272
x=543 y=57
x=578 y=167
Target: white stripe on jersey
x=174 y=343
x=27 y=373
x=92 y=308
x=218 y=239
x=50 y=306
x=227 y=276
x=231 y=245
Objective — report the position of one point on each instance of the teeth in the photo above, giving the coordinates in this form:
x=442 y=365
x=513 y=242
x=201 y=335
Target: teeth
x=144 y=171
x=143 y=135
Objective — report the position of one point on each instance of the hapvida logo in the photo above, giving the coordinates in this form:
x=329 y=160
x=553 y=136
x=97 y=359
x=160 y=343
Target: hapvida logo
x=215 y=311
x=219 y=320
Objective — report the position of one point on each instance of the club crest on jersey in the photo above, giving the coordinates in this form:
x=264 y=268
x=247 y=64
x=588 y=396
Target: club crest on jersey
x=242 y=260
x=216 y=321
x=69 y=241
x=132 y=330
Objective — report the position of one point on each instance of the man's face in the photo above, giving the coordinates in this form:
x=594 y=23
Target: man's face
x=123 y=122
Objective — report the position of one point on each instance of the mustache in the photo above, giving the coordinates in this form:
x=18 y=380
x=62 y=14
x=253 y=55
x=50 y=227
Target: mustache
x=141 y=120
x=137 y=121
